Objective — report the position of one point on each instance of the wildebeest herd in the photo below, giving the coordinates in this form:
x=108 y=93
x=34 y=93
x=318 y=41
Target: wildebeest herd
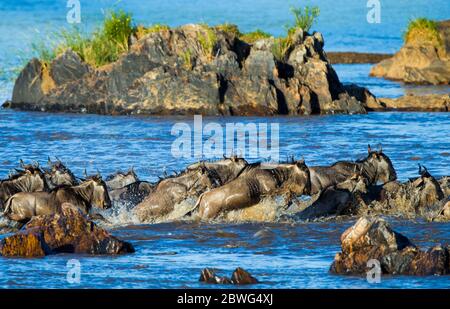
x=344 y=188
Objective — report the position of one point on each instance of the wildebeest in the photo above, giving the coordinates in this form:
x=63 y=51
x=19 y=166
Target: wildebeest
x=59 y=175
x=173 y=190
x=226 y=169
x=30 y=179
x=376 y=167
x=121 y=179
x=254 y=183
x=23 y=206
x=338 y=199
x=133 y=193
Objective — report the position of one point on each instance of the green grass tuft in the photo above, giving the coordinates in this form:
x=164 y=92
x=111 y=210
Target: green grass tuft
x=207 y=41
x=304 y=18
x=103 y=46
x=229 y=28
x=422 y=30
x=252 y=37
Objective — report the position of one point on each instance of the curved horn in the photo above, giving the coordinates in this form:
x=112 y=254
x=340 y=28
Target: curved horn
x=369 y=149
x=49 y=161
x=21 y=163
x=420 y=168
x=85 y=172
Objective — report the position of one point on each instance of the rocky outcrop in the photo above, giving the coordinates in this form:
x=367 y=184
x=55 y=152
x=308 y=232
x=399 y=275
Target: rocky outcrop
x=420 y=61
x=191 y=69
x=427 y=103
x=374 y=239
x=66 y=232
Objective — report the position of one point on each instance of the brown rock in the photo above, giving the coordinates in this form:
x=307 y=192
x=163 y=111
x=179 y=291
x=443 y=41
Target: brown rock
x=353 y=58
x=419 y=61
x=23 y=244
x=209 y=276
x=430 y=103
x=373 y=238
x=241 y=276
x=69 y=231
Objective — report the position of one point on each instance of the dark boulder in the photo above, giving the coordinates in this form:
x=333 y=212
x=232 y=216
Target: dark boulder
x=240 y=276
x=192 y=69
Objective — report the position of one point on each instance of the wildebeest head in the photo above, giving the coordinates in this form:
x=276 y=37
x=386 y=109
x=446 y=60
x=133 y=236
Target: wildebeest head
x=100 y=197
x=299 y=180
x=227 y=168
x=426 y=189
x=121 y=179
x=59 y=175
x=385 y=171
x=355 y=183
x=204 y=180
x=30 y=178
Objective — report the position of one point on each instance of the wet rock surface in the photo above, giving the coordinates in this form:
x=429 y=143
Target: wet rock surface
x=374 y=239
x=420 y=62
x=239 y=277
x=69 y=231
x=172 y=72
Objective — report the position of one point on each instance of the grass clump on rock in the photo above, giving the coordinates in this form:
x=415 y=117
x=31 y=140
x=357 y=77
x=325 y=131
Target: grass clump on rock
x=252 y=37
x=104 y=46
x=141 y=31
x=207 y=40
x=422 y=30
x=304 y=19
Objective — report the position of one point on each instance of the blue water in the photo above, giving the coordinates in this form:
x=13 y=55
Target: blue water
x=172 y=254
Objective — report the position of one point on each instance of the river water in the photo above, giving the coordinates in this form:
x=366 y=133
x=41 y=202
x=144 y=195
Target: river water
x=171 y=255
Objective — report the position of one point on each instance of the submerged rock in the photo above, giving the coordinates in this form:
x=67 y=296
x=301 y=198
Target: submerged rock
x=240 y=277
x=420 y=61
x=373 y=239
x=173 y=71
x=68 y=231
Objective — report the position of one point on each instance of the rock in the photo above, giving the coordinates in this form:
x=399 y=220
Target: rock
x=373 y=238
x=175 y=72
x=370 y=102
x=430 y=103
x=209 y=276
x=23 y=244
x=66 y=232
x=33 y=83
x=67 y=67
x=241 y=276
x=354 y=58
x=419 y=61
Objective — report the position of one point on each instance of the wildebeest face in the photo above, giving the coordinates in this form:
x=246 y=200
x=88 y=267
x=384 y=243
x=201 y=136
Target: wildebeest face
x=59 y=175
x=120 y=180
x=204 y=180
x=100 y=196
x=301 y=178
x=356 y=183
x=384 y=167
